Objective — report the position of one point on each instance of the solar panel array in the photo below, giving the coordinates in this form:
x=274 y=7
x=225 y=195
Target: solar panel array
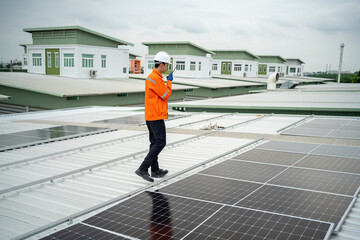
x=278 y=190
x=26 y=137
x=330 y=128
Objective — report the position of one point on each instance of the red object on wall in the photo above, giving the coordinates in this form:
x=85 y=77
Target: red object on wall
x=135 y=66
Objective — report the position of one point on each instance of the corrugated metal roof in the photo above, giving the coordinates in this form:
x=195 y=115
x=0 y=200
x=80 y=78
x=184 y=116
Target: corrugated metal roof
x=46 y=185
x=72 y=86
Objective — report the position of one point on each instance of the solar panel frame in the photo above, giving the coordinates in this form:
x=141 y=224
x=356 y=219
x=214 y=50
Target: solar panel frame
x=287 y=146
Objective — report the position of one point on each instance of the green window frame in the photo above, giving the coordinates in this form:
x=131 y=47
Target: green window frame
x=36 y=59
x=237 y=67
x=56 y=59
x=68 y=60
x=87 y=60
x=180 y=66
x=49 y=59
x=192 y=66
x=103 y=61
x=151 y=64
x=292 y=70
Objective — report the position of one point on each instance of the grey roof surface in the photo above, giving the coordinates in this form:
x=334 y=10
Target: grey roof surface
x=122 y=42
x=204 y=82
x=46 y=184
x=73 y=86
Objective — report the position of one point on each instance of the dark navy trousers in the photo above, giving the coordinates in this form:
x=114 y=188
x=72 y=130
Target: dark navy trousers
x=157 y=137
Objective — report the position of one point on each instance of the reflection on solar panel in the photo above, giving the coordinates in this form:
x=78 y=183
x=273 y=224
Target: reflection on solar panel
x=17 y=138
x=334 y=128
x=294 y=202
x=294 y=147
x=268 y=156
x=152 y=215
x=211 y=188
x=339 y=164
x=244 y=170
x=81 y=231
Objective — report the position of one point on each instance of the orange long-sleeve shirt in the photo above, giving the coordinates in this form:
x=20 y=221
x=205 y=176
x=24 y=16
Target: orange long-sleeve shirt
x=157 y=93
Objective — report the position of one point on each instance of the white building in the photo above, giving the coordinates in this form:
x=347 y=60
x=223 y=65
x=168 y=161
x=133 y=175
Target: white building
x=77 y=52
x=271 y=64
x=294 y=67
x=190 y=59
x=235 y=62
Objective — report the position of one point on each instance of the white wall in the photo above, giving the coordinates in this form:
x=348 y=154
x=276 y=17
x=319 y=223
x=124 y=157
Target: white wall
x=205 y=71
x=242 y=73
x=116 y=60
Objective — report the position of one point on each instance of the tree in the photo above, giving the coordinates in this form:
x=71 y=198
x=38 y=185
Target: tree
x=356 y=78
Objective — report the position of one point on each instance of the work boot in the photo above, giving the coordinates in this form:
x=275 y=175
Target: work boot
x=144 y=174
x=159 y=173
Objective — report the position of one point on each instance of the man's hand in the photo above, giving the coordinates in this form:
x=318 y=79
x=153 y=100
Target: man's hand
x=170 y=77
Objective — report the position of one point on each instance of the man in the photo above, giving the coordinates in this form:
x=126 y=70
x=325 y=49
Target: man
x=156 y=96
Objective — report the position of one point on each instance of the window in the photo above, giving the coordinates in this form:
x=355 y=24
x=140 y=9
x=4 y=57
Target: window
x=272 y=69
x=229 y=67
x=214 y=67
x=87 y=60
x=237 y=67
x=199 y=66
x=151 y=64
x=49 y=59
x=292 y=70
x=68 y=60
x=124 y=70
x=278 y=69
x=180 y=66
x=56 y=59
x=250 y=68
x=103 y=61
x=192 y=66
x=264 y=69
x=224 y=67
x=246 y=67
x=36 y=57
x=299 y=70
x=25 y=61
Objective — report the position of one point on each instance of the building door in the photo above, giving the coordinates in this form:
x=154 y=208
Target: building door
x=52 y=61
x=262 y=69
x=226 y=67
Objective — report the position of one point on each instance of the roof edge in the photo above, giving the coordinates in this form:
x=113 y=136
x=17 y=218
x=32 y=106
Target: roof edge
x=179 y=42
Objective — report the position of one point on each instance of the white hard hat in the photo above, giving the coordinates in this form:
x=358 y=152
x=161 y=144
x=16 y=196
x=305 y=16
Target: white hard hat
x=162 y=57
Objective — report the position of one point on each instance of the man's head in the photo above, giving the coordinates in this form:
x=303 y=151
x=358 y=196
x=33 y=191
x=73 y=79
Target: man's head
x=162 y=61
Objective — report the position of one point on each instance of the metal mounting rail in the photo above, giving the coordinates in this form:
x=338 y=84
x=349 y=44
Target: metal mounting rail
x=55 y=139
x=122 y=197
x=295 y=123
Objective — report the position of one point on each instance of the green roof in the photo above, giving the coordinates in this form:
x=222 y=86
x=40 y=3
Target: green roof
x=177 y=48
x=271 y=59
x=295 y=59
x=234 y=54
x=82 y=29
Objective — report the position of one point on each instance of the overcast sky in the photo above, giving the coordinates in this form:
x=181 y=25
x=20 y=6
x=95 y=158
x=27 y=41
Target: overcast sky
x=311 y=30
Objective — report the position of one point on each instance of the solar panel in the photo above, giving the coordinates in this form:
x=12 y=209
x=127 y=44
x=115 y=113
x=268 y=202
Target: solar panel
x=244 y=170
x=331 y=128
x=338 y=151
x=339 y=164
x=239 y=223
x=154 y=214
x=288 y=146
x=332 y=182
x=268 y=156
x=81 y=231
x=134 y=119
x=301 y=203
x=35 y=135
x=211 y=188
